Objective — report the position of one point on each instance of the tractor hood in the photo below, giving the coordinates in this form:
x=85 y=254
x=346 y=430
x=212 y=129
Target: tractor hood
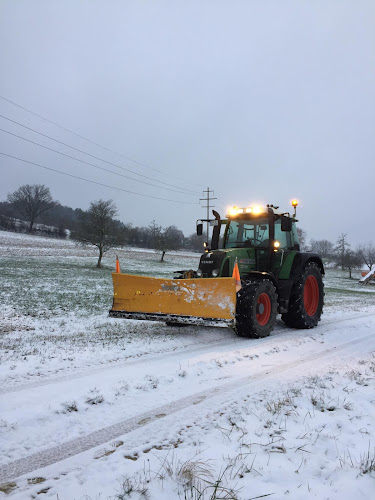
x=222 y=262
x=211 y=261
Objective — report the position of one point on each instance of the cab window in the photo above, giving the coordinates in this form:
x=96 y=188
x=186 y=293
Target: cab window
x=282 y=236
x=295 y=237
x=247 y=234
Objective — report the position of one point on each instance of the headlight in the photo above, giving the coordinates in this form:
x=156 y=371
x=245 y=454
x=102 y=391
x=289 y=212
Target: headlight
x=199 y=273
x=215 y=273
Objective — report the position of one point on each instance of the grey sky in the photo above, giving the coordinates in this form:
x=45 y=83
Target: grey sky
x=262 y=101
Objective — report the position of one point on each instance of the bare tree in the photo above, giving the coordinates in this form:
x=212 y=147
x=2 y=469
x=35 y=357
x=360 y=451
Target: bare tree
x=352 y=260
x=367 y=253
x=302 y=236
x=97 y=227
x=322 y=247
x=195 y=243
x=170 y=238
x=31 y=202
x=342 y=245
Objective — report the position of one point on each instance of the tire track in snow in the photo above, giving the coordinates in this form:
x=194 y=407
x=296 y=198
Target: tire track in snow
x=238 y=342
x=144 y=359
x=70 y=448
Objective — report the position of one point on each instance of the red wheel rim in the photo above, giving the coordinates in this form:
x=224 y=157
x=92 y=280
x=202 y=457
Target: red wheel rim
x=264 y=305
x=311 y=295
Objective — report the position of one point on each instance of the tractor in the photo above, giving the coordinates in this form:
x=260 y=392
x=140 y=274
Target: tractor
x=258 y=273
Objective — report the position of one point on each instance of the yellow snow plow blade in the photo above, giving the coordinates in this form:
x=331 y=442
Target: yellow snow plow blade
x=208 y=301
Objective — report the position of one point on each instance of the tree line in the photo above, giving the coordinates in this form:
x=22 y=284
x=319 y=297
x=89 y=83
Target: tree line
x=343 y=255
x=97 y=226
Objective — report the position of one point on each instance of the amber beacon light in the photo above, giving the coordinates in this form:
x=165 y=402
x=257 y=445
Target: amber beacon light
x=295 y=205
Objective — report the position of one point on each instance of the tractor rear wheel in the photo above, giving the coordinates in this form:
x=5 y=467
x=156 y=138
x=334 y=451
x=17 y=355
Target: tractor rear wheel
x=256 y=309
x=306 y=300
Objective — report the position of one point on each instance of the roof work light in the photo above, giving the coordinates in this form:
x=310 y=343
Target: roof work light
x=256 y=210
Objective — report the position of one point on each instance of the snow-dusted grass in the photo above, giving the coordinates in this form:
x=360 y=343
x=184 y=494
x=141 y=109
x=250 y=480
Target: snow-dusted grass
x=55 y=303
x=304 y=441
x=307 y=432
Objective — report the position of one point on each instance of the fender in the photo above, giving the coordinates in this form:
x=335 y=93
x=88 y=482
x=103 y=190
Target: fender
x=259 y=275
x=283 y=288
x=301 y=259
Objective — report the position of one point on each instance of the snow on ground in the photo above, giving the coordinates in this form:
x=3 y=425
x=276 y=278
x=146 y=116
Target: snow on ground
x=97 y=408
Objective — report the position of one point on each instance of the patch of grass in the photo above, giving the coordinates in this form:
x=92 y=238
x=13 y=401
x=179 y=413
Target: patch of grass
x=356 y=376
x=94 y=398
x=188 y=472
x=151 y=382
x=8 y=487
x=367 y=462
x=7 y=426
x=285 y=404
x=133 y=485
x=193 y=480
x=36 y=480
x=69 y=406
x=316 y=382
x=122 y=388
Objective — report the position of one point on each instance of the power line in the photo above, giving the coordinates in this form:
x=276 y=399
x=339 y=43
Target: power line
x=222 y=202
x=88 y=140
x=91 y=164
x=219 y=198
x=95 y=182
x=96 y=157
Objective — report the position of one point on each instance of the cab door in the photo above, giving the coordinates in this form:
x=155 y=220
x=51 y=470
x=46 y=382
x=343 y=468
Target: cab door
x=283 y=230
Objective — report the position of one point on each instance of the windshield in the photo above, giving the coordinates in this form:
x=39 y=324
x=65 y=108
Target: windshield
x=249 y=233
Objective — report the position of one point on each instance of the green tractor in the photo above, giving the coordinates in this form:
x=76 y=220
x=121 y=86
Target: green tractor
x=260 y=249
x=276 y=277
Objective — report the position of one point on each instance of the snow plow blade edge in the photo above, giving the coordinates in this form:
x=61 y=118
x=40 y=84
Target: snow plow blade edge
x=199 y=301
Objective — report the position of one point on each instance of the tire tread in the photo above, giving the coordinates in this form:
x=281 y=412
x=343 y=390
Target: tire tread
x=246 y=323
x=296 y=317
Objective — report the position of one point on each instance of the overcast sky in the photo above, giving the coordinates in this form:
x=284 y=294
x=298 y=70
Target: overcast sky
x=262 y=101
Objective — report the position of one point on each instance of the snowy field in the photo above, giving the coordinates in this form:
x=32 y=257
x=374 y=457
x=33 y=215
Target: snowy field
x=96 y=408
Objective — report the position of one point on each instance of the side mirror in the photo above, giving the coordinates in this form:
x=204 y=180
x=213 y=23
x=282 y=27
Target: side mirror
x=286 y=224
x=199 y=229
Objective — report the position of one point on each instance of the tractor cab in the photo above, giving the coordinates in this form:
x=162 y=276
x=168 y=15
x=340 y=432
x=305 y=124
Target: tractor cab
x=260 y=237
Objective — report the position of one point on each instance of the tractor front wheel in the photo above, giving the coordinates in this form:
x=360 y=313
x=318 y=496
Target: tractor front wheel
x=306 y=300
x=256 y=309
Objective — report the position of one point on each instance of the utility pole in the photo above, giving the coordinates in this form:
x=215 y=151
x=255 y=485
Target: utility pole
x=208 y=206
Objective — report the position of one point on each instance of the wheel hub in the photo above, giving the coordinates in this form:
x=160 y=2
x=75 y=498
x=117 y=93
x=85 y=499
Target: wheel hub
x=260 y=308
x=311 y=295
x=263 y=309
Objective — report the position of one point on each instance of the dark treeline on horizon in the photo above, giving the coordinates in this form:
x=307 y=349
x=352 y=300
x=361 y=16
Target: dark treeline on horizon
x=60 y=220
